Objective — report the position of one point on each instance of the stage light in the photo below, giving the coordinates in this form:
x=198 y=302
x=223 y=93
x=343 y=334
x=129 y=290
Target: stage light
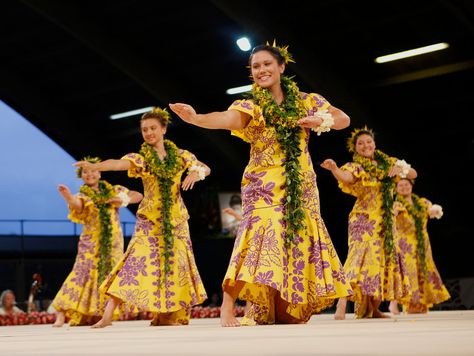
x=412 y=52
x=130 y=113
x=238 y=90
x=244 y=44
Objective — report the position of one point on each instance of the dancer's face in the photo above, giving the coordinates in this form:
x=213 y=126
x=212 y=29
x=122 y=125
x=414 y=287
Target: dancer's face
x=404 y=187
x=90 y=176
x=265 y=69
x=152 y=131
x=365 y=146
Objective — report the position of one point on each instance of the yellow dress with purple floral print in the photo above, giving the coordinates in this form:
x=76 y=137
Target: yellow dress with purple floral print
x=308 y=274
x=370 y=272
x=427 y=288
x=79 y=298
x=138 y=279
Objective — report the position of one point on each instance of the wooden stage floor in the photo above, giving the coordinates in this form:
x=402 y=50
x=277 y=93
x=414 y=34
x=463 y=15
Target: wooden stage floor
x=444 y=333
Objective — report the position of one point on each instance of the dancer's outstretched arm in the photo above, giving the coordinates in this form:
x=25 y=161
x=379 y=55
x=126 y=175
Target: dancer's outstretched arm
x=107 y=165
x=339 y=174
x=73 y=201
x=229 y=119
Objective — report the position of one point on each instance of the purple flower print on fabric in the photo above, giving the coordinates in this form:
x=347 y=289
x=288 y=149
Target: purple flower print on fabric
x=82 y=272
x=131 y=268
x=361 y=225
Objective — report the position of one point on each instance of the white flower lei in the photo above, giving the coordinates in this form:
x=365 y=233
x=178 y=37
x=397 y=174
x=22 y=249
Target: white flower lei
x=327 y=123
x=436 y=211
x=124 y=198
x=199 y=169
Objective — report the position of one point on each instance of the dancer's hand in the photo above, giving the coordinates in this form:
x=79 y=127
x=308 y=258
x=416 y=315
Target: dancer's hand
x=184 y=111
x=116 y=201
x=310 y=122
x=329 y=164
x=397 y=208
x=191 y=178
x=73 y=202
x=64 y=191
x=85 y=165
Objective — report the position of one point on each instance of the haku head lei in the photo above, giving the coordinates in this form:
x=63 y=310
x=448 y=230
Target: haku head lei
x=280 y=53
x=283 y=51
x=158 y=113
x=87 y=159
x=351 y=141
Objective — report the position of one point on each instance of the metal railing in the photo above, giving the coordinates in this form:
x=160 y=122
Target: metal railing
x=49 y=227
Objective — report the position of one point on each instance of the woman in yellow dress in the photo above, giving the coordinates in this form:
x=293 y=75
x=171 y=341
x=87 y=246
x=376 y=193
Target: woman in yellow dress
x=426 y=286
x=100 y=246
x=373 y=266
x=158 y=273
x=283 y=261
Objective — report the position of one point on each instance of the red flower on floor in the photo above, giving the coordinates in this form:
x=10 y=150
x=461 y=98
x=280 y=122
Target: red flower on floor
x=34 y=318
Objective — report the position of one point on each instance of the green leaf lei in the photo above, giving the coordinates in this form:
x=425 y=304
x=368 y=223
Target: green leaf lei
x=284 y=119
x=417 y=212
x=379 y=172
x=164 y=170
x=100 y=198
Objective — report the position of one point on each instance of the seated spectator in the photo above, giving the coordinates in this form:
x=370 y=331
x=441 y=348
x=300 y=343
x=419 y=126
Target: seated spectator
x=8 y=303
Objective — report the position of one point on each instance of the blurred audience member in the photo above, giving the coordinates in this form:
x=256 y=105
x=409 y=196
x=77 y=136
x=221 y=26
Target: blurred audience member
x=8 y=303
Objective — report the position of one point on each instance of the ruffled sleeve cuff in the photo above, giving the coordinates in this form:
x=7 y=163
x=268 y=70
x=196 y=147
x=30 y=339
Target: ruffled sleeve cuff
x=80 y=217
x=138 y=169
x=361 y=178
x=427 y=205
x=247 y=107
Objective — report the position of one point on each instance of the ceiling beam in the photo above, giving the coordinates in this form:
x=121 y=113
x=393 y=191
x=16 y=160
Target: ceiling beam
x=425 y=73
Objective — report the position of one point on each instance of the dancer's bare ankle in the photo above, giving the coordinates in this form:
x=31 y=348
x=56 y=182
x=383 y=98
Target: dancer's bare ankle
x=340 y=313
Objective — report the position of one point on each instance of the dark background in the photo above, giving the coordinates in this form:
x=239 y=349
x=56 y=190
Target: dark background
x=68 y=65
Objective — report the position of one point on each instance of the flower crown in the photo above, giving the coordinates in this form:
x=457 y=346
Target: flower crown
x=355 y=134
x=283 y=51
x=87 y=159
x=157 y=111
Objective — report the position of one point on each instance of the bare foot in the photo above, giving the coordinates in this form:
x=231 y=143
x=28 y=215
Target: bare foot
x=59 y=320
x=379 y=315
x=106 y=320
x=101 y=324
x=393 y=307
x=340 y=313
x=228 y=319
